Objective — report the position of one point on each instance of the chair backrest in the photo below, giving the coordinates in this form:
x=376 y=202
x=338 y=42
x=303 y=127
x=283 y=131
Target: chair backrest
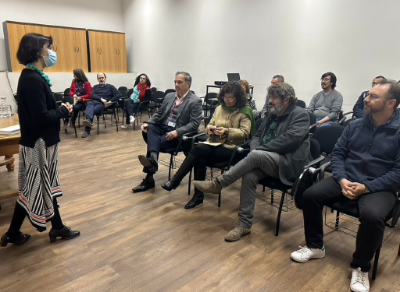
x=68 y=99
x=129 y=93
x=327 y=137
x=67 y=91
x=210 y=95
x=301 y=103
x=153 y=89
x=315 y=149
x=169 y=91
x=58 y=97
x=122 y=88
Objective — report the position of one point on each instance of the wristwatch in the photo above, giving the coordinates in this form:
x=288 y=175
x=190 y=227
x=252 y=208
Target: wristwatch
x=366 y=190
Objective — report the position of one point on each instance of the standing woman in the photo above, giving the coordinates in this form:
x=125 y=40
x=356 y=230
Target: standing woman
x=141 y=91
x=39 y=118
x=80 y=91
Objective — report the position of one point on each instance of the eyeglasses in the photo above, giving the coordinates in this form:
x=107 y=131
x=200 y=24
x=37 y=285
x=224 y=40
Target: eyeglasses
x=327 y=79
x=229 y=98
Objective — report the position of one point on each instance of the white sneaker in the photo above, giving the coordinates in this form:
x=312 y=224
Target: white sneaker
x=304 y=254
x=131 y=119
x=359 y=281
x=124 y=126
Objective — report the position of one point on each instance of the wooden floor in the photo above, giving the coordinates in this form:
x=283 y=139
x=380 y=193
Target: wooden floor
x=149 y=242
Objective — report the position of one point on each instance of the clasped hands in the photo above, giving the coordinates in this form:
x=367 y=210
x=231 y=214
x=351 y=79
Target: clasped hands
x=69 y=107
x=220 y=131
x=352 y=190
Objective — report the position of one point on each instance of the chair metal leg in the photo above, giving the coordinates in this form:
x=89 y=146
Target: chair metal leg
x=98 y=125
x=399 y=250
x=170 y=167
x=190 y=181
x=278 y=219
x=337 y=220
x=76 y=134
x=116 y=121
x=376 y=260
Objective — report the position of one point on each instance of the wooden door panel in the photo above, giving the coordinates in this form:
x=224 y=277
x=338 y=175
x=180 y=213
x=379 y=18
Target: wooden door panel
x=15 y=34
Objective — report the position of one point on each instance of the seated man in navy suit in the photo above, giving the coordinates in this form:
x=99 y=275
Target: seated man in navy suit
x=180 y=113
x=366 y=169
x=102 y=95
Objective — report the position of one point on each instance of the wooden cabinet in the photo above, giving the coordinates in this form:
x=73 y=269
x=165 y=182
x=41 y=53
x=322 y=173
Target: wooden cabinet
x=69 y=44
x=107 y=52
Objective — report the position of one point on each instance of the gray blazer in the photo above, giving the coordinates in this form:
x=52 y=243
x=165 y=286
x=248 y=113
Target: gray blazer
x=292 y=142
x=189 y=117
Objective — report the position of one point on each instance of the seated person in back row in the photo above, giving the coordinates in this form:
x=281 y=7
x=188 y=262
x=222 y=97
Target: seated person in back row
x=358 y=109
x=280 y=149
x=326 y=104
x=141 y=91
x=102 y=95
x=366 y=170
x=81 y=91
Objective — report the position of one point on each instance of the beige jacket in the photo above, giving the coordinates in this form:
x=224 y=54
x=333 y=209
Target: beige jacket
x=239 y=126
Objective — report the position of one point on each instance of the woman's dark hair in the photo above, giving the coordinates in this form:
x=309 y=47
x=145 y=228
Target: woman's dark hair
x=137 y=80
x=333 y=78
x=31 y=46
x=236 y=89
x=80 y=75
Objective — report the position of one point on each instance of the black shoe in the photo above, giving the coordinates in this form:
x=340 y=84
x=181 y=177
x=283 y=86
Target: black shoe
x=19 y=239
x=170 y=185
x=85 y=135
x=183 y=170
x=148 y=162
x=144 y=186
x=195 y=201
x=65 y=233
x=87 y=123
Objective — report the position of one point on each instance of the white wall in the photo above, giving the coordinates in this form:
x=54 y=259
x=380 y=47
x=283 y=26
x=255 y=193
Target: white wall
x=89 y=14
x=302 y=39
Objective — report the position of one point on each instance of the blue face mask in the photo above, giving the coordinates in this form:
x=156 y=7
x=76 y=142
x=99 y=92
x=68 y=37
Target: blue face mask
x=51 y=60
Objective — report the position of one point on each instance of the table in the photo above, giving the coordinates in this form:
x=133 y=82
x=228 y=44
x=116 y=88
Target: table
x=9 y=145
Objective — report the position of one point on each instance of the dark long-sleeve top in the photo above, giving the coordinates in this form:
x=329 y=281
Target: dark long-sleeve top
x=369 y=155
x=88 y=90
x=292 y=141
x=358 y=109
x=38 y=114
x=106 y=91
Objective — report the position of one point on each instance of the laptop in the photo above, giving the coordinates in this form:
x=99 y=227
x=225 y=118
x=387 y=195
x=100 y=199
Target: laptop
x=233 y=76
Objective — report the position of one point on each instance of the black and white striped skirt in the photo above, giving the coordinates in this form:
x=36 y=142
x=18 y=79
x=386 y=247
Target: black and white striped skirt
x=38 y=182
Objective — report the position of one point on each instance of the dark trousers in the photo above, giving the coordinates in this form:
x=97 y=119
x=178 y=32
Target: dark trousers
x=208 y=155
x=80 y=106
x=130 y=108
x=373 y=209
x=156 y=140
x=93 y=108
x=20 y=214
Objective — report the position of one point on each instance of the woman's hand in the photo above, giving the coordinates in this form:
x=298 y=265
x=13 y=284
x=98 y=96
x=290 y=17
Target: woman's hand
x=210 y=130
x=220 y=131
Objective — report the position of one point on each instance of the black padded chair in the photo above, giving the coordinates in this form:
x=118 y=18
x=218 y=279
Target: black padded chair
x=304 y=181
x=327 y=138
x=350 y=208
x=210 y=103
x=173 y=152
x=300 y=103
x=158 y=98
x=110 y=110
x=169 y=91
x=70 y=100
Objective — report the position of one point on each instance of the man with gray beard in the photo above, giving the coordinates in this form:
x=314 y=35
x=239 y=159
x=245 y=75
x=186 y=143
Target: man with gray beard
x=280 y=149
